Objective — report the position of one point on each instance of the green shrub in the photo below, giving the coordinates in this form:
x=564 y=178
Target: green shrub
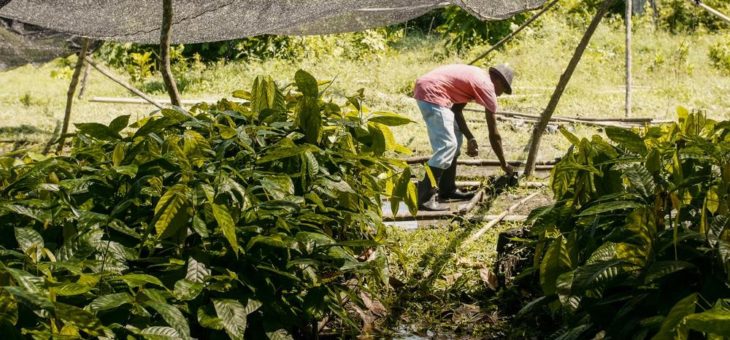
x=638 y=243
x=253 y=219
x=720 y=56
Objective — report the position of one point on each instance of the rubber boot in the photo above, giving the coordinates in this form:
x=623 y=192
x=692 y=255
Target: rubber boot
x=428 y=195
x=447 y=185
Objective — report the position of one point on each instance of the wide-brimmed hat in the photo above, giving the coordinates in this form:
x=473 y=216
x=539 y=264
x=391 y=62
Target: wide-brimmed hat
x=506 y=73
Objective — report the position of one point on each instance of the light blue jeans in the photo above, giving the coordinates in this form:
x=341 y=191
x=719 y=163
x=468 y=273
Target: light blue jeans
x=443 y=133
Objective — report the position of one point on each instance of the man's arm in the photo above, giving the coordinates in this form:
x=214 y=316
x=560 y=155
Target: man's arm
x=458 y=110
x=496 y=141
x=472 y=148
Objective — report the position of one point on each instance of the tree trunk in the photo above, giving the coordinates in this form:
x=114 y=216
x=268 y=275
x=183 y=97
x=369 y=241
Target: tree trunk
x=70 y=94
x=165 y=52
x=562 y=84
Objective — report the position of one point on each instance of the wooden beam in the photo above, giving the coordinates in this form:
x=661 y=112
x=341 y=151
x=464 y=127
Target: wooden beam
x=70 y=94
x=131 y=88
x=562 y=84
x=141 y=101
x=165 y=31
x=513 y=34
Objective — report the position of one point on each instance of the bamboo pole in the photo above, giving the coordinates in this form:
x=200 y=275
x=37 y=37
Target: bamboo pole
x=499 y=218
x=70 y=94
x=513 y=34
x=629 y=14
x=131 y=88
x=562 y=84
x=165 y=31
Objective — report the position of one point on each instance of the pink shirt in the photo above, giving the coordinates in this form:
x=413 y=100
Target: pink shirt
x=457 y=84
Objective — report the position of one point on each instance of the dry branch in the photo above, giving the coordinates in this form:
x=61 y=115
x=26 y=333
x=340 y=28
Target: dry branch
x=499 y=218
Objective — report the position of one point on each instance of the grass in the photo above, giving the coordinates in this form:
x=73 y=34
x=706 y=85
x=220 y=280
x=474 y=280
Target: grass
x=669 y=70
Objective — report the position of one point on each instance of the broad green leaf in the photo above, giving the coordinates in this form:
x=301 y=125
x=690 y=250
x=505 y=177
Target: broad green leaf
x=8 y=308
x=140 y=280
x=30 y=299
x=310 y=119
x=78 y=317
x=555 y=262
x=98 y=131
x=661 y=269
x=596 y=275
x=176 y=114
x=233 y=316
x=306 y=84
x=71 y=289
x=569 y=135
x=627 y=139
x=226 y=132
x=110 y=301
x=119 y=123
x=389 y=119
x=713 y=199
x=186 y=290
x=609 y=206
x=242 y=94
x=196 y=271
x=279 y=335
x=173 y=317
x=412 y=198
x=207 y=320
x=30 y=242
x=226 y=224
x=670 y=328
x=172 y=211
x=278 y=187
x=118 y=155
x=714 y=321
x=160 y=333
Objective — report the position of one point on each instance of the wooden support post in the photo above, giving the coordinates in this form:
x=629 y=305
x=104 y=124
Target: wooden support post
x=84 y=80
x=70 y=94
x=165 y=30
x=131 y=88
x=513 y=34
x=629 y=14
x=562 y=84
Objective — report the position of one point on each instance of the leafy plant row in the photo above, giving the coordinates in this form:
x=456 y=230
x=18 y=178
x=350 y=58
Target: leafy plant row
x=637 y=245
x=255 y=219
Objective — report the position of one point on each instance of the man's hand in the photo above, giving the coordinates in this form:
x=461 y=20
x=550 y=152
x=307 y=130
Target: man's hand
x=472 y=148
x=508 y=169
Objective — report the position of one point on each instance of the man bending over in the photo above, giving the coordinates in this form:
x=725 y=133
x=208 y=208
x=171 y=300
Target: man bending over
x=442 y=95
